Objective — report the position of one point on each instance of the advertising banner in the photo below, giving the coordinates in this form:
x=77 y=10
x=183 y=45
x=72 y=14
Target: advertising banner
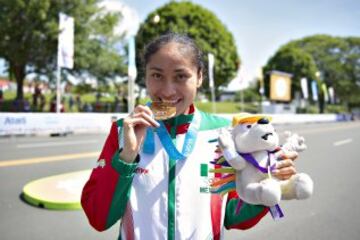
x=280 y=86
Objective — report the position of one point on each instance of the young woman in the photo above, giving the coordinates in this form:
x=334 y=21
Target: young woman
x=153 y=175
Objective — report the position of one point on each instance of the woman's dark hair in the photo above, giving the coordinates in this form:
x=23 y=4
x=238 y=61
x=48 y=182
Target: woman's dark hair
x=187 y=42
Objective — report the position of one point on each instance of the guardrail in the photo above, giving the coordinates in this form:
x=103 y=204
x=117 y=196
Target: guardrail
x=61 y=123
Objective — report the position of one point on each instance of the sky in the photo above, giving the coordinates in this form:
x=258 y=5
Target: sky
x=260 y=27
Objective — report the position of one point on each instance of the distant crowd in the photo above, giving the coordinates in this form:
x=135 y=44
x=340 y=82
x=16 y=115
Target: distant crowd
x=69 y=103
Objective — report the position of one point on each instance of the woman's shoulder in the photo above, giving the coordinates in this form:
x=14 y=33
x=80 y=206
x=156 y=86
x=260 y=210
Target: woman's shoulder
x=211 y=121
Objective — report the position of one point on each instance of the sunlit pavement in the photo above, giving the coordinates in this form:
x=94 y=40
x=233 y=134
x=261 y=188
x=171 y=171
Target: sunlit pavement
x=331 y=159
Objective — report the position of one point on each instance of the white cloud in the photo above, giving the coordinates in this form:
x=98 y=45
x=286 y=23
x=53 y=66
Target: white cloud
x=129 y=24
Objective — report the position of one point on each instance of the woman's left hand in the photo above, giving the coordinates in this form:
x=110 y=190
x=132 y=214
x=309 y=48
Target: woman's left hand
x=285 y=166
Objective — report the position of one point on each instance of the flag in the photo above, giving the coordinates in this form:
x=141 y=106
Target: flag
x=66 y=41
x=132 y=72
x=261 y=81
x=304 y=88
x=211 y=69
x=314 y=90
x=331 y=94
x=324 y=89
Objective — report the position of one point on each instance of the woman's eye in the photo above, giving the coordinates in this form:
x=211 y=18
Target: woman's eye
x=156 y=75
x=181 y=77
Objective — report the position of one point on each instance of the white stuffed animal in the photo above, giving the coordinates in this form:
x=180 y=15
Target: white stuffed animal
x=249 y=149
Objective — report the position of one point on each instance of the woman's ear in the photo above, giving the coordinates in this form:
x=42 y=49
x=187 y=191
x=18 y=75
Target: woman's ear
x=200 y=79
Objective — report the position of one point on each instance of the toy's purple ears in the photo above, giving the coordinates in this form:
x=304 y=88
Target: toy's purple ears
x=249 y=118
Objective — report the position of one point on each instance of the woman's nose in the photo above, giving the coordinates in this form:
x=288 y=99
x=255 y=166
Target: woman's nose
x=168 y=89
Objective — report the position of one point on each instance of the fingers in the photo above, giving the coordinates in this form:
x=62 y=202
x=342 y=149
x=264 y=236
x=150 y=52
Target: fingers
x=142 y=115
x=135 y=126
x=145 y=119
x=284 y=169
x=281 y=155
x=142 y=108
x=283 y=176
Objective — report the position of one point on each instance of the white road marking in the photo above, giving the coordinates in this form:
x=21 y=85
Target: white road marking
x=342 y=142
x=55 y=144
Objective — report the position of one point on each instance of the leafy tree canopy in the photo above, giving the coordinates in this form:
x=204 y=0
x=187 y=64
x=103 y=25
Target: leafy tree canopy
x=200 y=24
x=291 y=60
x=336 y=58
x=29 y=32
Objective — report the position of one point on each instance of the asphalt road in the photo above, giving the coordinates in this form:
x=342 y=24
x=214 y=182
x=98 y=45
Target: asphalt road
x=332 y=160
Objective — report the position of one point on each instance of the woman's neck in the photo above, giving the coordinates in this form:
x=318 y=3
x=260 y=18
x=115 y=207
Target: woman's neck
x=189 y=110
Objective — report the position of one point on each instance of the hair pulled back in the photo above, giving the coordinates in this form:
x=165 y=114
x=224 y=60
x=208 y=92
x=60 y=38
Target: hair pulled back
x=187 y=42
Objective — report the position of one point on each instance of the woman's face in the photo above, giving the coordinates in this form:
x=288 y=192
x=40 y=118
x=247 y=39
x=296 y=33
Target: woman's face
x=171 y=76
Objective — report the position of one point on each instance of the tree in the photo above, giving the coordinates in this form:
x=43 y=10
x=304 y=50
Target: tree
x=250 y=94
x=292 y=60
x=29 y=31
x=352 y=68
x=200 y=24
x=338 y=60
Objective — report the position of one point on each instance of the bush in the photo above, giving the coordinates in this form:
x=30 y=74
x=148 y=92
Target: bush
x=335 y=109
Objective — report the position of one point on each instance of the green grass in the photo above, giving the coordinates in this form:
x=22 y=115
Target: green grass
x=226 y=107
x=221 y=107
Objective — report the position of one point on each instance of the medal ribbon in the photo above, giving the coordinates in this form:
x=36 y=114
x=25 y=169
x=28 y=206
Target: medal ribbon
x=167 y=143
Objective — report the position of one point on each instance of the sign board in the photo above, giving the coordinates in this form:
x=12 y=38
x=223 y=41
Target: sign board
x=49 y=123
x=280 y=86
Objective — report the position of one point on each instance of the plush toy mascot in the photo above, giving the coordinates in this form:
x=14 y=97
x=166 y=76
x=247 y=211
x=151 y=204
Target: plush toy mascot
x=250 y=148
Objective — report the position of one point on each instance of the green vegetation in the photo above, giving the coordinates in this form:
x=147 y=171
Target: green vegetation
x=336 y=59
x=28 y=43
x=294 y=61
x=227 y=107
x=29 y=32
x=200 y=24
x=108 y=100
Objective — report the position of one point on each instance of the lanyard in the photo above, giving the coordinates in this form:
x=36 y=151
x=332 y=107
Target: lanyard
x=250 y=159
x=275 y=211
x=167 y=143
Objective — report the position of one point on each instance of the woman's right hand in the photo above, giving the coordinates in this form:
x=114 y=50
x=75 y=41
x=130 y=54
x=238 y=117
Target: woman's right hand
x=134 y=130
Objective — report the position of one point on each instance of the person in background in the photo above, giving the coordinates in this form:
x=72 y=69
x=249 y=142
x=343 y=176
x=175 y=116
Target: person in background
x=153 y=174
x=1 y=98
x=42 y=102
x=35 y=97
x=53 y=104
x=71 y=103
x=78 y=103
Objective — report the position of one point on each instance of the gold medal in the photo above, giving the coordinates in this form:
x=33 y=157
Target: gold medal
x=163 y=110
